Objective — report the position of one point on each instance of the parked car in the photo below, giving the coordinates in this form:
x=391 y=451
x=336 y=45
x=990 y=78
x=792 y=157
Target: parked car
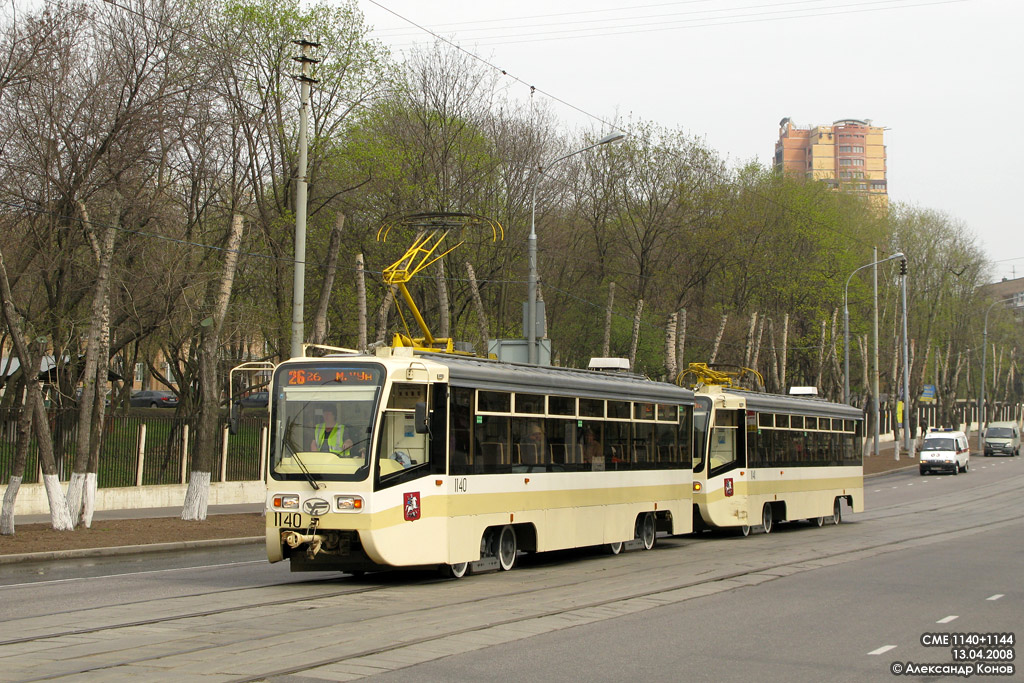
x=945 y=451
x=153 y=399
x=257 y=399
x=1002 y=438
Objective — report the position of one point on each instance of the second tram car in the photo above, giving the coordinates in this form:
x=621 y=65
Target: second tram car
x=407 y=459
x=763 y=458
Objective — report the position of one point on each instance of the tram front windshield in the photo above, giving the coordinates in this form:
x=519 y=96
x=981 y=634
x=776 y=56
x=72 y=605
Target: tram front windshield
x=322 y=424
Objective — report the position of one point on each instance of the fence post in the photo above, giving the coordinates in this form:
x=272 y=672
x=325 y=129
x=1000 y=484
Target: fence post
x=184 y=453
x=142 y=454
x=224 y=454
x=263 y=452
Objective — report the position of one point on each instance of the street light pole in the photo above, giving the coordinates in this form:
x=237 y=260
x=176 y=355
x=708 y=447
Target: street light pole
x=984 y=353
x=531 y=245
x=846 y=322
x=906 y=369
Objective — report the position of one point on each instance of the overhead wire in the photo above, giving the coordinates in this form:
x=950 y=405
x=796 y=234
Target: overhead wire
x=610 y=124
x=454 y=45
x=564 y=33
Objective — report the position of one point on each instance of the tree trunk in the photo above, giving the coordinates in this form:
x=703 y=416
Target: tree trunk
x=481 y=313
x=670 y=345
x=361 y=302
x=635 y=342
x=748 y=351
x=680 y=356
x=444 y=311
x=821 y=355
x=757 y=345
x=606 y=347
x=382 y=314
x=99 y=408
x=208 y=435
x=20 y=457
x=718 y=339
x=59 y=517
x=92 y=384
x=785 y=354
x=318 y=334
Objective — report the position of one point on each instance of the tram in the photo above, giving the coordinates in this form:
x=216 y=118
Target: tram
x=411 y=458
x=761 y=458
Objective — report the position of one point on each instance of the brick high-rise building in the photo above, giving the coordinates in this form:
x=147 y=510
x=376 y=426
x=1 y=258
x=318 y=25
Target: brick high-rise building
x=849 y=155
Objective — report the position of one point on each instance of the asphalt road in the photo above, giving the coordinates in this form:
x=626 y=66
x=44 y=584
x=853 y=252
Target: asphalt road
x=837 y=603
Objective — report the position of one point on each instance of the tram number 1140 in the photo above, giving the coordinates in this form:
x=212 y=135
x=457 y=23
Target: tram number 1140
x=288 y=519
x=461 y=484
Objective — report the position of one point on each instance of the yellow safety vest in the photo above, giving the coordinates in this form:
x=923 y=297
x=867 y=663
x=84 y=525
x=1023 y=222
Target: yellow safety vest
x=334 y=441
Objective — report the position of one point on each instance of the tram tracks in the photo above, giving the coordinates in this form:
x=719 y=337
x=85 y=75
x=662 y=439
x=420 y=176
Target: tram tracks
x=529 y=617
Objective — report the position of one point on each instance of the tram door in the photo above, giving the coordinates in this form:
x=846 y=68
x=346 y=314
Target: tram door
x=726 y=465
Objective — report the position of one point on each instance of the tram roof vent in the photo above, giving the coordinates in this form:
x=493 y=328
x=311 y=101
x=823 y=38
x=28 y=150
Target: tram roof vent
x=803 y=391
x=609 y=364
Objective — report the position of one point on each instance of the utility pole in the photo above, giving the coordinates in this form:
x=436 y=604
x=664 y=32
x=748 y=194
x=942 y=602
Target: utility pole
x=299 y=283
x=874 y=363
x=906 y=369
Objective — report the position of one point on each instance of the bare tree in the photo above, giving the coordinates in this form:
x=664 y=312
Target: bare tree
x=207 y=433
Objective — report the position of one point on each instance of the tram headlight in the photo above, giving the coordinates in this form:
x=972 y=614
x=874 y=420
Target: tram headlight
x=287 y=502
x=696 y=487
x=348 y=503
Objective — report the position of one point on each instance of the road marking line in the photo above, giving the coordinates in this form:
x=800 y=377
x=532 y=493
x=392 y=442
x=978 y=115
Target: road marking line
x=877 y=491
x=79 y=579
x=995 y=597
x=946 y=620
x=882 y=650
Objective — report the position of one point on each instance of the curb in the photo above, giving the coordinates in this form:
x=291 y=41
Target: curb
x=895 y=469
x=111 y=551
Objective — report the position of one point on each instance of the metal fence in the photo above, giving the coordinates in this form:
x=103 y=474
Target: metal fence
x=138 y=450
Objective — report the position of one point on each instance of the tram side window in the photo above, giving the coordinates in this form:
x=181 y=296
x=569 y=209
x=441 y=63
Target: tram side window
x=563 y=437
x=460 y=445
x=616 y=443
x=701 y=410
x=591 y=407
x=529 y=441
x=495 y=454
x=722 y=453
x=781 y=441
x=762 y=451
x=643 y=447
x=684 y=440
x=667 y=448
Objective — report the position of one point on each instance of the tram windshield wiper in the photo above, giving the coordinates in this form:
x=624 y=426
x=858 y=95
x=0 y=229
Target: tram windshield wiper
x=295 y=454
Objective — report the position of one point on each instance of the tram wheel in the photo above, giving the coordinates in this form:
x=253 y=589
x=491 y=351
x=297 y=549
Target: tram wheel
x=744 y=530
x=837 y=512
x=818 y=521
x=646 y=529
x=506 y=550
x=613 y=548
x=766 y=518
x=455 y=571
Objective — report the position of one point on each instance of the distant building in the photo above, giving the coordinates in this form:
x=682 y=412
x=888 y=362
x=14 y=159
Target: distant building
x=1013 y=290
x=849 y=155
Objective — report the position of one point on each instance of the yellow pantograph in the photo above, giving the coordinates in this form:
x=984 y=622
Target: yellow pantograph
x=428 y=246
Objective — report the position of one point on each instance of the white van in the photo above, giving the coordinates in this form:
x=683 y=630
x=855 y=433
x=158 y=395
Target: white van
x=1002 y=438
x=945 y=451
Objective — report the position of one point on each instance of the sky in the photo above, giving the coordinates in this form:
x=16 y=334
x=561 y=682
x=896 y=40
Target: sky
x=944 y=77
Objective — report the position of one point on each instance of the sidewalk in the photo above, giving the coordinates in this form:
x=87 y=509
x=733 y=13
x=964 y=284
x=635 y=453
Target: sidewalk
x=126 y=532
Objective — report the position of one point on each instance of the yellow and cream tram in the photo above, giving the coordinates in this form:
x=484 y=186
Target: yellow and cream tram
x=762 y=458
x=409 y=459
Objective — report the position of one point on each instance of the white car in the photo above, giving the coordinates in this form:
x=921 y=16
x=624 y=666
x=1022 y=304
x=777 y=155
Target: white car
x=945 y=451
x=1002 y=438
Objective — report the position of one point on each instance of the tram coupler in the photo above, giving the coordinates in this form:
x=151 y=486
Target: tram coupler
x=294 y=539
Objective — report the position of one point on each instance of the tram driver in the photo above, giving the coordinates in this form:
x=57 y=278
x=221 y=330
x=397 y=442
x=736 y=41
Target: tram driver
x=329 y=435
